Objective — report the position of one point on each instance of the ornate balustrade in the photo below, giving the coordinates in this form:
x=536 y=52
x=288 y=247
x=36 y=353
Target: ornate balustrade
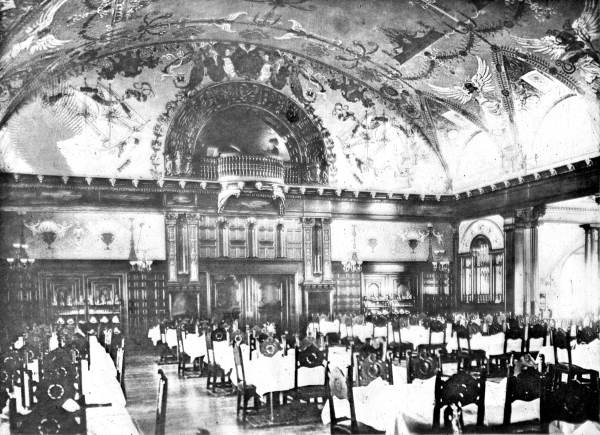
x=238 y=167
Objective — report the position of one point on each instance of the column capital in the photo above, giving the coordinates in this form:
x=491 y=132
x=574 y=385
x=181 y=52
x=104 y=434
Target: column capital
x=171 y=217
x=588 y=227
x=524 y=217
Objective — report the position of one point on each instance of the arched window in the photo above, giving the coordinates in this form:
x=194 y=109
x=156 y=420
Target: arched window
x=482 y=273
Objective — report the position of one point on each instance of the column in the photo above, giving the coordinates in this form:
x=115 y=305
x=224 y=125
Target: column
x=327 y=272
x=184 y=245
x=592 y=258
x=281 y=251
x=509 y=263
x=223 y=232
x=455 y=265
x=171 y=224
x=307 y=230
x=192 y=222
x=252 y=238
x=521 y=262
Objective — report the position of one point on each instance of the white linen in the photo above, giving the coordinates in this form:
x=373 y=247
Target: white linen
x=583 y=355
x=109 y=420
x=269 y=374
x=223 y=355
x=194 y=345
x=311 y=376
x=491 y=344
x=391 y=407
x=154 y=334
x=324 y=327
x=171 y=337
x=99 y=381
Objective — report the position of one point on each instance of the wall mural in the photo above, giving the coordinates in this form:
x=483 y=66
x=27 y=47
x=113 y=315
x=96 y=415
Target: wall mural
x=430 y=97
x=389 y=241
x=88 y=235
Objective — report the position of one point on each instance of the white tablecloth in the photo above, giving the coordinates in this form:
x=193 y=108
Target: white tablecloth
x=270 y=374
x=223 y=356
x=100 y=386
x=171 y=337
x=586 y=356
x=491 y=344
x=324 y=326
x=99 y=383
x=390 y=408
x=194 y=345
x=154 y=334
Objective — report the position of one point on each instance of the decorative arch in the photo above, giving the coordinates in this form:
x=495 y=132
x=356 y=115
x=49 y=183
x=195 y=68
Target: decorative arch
x=188 y=120
x=484 y=227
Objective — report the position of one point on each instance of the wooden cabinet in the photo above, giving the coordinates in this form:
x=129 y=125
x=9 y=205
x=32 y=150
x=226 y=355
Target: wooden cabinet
x=82 y=296
x=147 y=304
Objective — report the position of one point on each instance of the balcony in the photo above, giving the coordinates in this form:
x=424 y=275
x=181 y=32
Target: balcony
x=238 y=167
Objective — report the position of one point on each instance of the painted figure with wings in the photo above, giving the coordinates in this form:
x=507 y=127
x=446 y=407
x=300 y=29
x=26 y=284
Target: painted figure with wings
x=38 y=36
x=574 y=41
x=476 y=88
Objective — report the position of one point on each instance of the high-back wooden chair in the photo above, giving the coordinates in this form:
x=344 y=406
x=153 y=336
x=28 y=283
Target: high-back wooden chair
x=498 y=365
x=161 y=403
x=310 y=360
x=571 y=402
x=340 y=387
x=466 y=355
x=121 y=369
x=370 y=367
x=460 y=389
x=536 y=331
x=526 y=386
x=183 y=359
x=245 y=391
x=561 y=339
x=421 y=365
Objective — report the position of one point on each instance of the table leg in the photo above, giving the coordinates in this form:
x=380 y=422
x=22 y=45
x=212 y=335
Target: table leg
x=271 y=402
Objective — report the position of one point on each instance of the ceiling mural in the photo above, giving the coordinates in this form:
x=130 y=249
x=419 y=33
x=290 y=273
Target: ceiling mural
x=418 y=96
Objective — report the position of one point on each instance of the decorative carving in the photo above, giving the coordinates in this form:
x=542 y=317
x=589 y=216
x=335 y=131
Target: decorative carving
x=194 y=110
x=529 y=216
x=484 y=227
x=227 y=191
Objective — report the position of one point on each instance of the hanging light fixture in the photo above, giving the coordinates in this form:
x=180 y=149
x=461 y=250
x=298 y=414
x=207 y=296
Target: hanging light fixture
x=353 y=264
x=137 y=265
x=19 y=260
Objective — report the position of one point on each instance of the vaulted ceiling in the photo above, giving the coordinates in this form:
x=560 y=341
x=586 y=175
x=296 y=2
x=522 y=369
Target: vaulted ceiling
x=418 y=96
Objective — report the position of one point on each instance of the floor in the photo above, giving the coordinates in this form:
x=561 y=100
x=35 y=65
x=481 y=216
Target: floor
x=190 y=409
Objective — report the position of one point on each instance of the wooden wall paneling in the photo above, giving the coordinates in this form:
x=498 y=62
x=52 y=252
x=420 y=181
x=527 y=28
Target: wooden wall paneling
x=207 y=237
x=266 y=239
x=293 y=237
x=238 y=235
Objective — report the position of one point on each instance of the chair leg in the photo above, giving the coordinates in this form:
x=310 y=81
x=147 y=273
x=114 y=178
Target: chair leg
x=245 y=408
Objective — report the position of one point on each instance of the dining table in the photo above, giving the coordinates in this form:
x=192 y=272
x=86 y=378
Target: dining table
x=584 y=355
x=403 y=408
x=105 y=403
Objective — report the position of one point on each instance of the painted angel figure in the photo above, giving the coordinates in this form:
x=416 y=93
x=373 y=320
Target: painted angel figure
x=38 y=36
x=574 y=41
x=476 y=88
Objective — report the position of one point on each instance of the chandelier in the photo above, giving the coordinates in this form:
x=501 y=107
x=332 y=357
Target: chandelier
x=353 y=264
x=19 y=259
x=138 y=265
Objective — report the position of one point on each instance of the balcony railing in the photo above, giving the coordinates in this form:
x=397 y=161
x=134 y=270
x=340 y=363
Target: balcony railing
x=237 y=167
